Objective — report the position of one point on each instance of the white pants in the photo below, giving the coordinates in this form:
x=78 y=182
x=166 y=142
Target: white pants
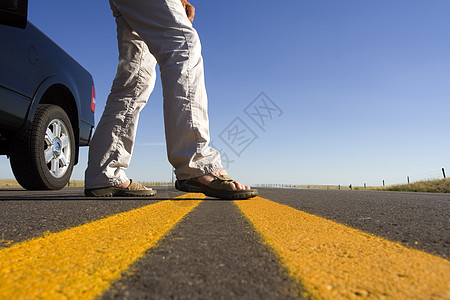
x=150 y=32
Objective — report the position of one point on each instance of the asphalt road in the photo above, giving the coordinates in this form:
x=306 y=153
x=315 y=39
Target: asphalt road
x=215 y=251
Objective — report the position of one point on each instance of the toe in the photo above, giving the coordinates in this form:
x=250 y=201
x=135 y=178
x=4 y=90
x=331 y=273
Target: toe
x=239 y=186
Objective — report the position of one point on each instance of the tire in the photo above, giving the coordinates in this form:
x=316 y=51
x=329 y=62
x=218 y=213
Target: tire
x=43 y=154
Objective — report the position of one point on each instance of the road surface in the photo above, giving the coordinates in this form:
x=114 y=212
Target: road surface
x=284 y=244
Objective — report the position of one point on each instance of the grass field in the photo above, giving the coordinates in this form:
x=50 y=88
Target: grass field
x=428 y=186
x=12 y=183
x=9 y=183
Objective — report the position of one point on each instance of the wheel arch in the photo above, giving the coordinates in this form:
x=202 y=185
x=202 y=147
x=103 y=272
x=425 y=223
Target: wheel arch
x=58 y=92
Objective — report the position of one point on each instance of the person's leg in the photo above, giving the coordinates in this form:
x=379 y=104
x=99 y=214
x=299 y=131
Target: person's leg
x=112 y=144
x=164 y=26
x=175 y=44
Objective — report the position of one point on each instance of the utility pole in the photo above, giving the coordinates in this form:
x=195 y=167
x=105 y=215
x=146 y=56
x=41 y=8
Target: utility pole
x=443 y=172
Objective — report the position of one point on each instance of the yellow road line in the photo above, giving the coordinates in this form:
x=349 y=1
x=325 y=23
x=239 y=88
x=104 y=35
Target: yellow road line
x=81 y=262
x=334 y=261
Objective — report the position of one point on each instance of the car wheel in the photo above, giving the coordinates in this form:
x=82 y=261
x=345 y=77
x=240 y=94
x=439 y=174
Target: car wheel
x=43 y=154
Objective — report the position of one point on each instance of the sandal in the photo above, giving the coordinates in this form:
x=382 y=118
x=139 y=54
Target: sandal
x=220 y=187
x=135 y=189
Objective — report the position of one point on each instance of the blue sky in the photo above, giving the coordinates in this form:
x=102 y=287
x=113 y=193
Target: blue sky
x=358 y=90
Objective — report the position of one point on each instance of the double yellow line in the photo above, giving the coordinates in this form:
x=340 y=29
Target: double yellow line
x=330 y=260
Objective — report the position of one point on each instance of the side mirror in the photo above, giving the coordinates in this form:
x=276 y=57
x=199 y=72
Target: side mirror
x=14 y=13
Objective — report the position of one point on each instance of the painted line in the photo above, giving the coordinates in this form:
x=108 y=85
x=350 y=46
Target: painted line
x=81 y=262
x=333 y=261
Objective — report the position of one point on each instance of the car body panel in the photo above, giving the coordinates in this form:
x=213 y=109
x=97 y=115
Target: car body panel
x=13 y=116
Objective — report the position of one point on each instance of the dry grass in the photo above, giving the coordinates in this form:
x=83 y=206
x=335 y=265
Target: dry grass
x=428 y=186
x=9 y=183
x=12 y=183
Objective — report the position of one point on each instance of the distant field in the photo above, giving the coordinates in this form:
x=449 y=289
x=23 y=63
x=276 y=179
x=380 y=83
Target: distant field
x=12 y=183
x=8 y=183
x=428 y=186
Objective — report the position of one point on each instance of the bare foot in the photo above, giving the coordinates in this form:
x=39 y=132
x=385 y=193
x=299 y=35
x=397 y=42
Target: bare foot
x=125 y=184
x=207 y=178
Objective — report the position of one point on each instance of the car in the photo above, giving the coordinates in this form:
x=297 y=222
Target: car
x=47 y=103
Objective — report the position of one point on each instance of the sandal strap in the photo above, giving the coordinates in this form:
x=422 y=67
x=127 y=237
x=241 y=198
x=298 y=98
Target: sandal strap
x=223 y=182
x=225 y=178
x=135 y=186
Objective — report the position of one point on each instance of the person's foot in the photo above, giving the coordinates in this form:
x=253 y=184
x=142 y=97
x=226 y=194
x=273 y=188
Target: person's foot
x=216 y=184
x=207 y=178
x=129 y=188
